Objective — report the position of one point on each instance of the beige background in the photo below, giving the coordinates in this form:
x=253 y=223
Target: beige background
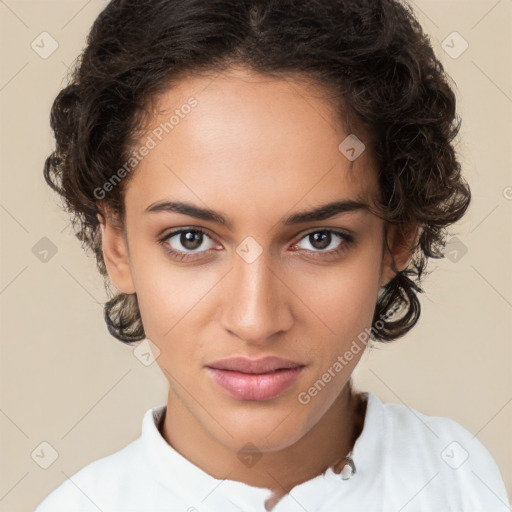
x=65 y=381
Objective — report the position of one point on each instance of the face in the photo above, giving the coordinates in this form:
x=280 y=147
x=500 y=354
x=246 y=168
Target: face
x=256 y=278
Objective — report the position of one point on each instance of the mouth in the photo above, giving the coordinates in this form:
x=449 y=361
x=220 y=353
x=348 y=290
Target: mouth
x=255 y=379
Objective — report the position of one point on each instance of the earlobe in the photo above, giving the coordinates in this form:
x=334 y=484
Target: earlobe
x=116 y=254
x=400 y=247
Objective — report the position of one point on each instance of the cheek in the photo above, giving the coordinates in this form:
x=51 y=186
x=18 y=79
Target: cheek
x=171 y=297
x=171 y=300
x=166 y=301
x=160 y=292
x=343 y=296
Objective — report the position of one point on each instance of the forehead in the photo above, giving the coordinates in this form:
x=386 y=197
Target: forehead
x=250 y=142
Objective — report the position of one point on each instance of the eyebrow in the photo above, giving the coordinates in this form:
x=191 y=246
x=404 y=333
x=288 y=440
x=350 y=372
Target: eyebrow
x=323 y=212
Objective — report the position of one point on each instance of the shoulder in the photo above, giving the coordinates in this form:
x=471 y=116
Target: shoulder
x=88 y=489
x=439 y=458
x=116 y=481
x=438 y=438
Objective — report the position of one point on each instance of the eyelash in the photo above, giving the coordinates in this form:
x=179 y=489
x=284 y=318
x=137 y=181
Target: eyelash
x=347 y=241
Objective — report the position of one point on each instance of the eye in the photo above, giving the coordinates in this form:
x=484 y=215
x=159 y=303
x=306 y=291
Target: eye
x=187 y=242
x=192 y=243
x=326 y=241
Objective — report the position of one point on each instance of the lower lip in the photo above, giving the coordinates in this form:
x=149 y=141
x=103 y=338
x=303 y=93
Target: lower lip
x=255 y=386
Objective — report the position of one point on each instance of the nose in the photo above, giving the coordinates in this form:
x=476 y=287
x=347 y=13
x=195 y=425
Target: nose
x=257 y=304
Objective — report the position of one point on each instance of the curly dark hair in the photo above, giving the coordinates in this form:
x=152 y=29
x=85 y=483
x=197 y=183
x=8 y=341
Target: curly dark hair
x=373 y=55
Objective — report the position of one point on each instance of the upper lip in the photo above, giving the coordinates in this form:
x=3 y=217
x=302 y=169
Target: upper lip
x=246 y=365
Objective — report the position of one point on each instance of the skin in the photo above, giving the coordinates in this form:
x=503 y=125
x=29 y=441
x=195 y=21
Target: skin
x=255 y=149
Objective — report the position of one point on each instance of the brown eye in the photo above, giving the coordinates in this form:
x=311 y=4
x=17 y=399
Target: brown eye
x=191 y=240
x=325 y=241
x=320 y=240
x=187 y=242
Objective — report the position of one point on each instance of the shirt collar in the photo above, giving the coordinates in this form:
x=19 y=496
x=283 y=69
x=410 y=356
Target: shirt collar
x=179 y=475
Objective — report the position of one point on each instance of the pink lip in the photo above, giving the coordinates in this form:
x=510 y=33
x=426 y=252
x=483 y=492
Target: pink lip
x=255 y=379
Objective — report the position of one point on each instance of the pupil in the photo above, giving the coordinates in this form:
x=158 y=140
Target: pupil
x=321 y=240
x=191 y=239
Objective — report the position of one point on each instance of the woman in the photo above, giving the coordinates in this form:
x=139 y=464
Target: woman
x=263 y=182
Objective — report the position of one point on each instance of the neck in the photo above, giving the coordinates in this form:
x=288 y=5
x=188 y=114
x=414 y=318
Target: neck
x=324 y=445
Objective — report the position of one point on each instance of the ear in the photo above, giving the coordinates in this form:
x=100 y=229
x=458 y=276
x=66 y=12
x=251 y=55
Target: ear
x=401 y=243
x=115 y=252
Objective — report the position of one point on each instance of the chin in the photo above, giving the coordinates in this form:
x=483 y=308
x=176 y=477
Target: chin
x=268 y=431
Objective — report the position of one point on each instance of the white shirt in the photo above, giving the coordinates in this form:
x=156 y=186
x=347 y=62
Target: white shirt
x=405 y=461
